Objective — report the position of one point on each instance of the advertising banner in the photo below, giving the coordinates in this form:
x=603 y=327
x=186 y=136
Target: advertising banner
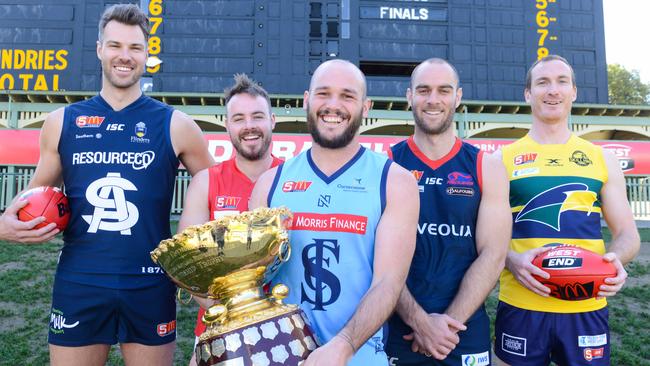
x=20 y=147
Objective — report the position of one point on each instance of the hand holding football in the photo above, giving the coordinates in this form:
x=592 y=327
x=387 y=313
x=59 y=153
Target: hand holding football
x=576 y=273
x=48 y=202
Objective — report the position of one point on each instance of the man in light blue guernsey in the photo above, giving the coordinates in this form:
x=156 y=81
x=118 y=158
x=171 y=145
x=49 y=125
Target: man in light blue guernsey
x=354 y=225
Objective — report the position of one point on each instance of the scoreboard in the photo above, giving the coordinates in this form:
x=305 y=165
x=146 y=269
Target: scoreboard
x=197 y=45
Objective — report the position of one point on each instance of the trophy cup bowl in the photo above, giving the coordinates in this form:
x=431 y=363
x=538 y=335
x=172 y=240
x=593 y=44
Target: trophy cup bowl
x=229 y=259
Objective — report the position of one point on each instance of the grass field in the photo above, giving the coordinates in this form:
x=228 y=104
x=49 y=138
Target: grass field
x=26 y=275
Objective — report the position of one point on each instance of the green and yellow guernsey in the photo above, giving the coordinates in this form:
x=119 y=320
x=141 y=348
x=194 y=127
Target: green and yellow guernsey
x=555 y=199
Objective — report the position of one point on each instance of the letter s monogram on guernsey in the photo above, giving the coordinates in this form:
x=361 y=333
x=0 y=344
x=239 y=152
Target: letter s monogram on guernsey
x=115 y=208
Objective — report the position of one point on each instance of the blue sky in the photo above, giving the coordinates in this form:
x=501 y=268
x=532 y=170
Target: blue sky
x=627 y=29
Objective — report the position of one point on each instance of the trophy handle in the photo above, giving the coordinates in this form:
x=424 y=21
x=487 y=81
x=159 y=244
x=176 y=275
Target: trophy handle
x=284 y=246
x=179 y=296
x=215 y=313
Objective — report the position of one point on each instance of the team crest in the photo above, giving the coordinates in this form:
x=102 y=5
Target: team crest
x=547 y=207
x=459 y=179
x=580 y=158
x=140 y=129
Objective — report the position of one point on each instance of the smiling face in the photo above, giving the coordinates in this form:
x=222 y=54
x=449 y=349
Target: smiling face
x=336 y=104
x=123 y=53
x=552 y=92
x=434 y=96
x=249 y=124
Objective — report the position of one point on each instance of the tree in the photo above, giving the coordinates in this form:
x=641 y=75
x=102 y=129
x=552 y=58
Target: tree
x=626 y=87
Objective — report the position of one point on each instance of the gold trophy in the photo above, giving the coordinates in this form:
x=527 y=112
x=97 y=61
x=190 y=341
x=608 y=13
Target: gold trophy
x=230 y=259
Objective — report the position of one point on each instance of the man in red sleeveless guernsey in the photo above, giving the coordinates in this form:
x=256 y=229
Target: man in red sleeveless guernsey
x=227 y=186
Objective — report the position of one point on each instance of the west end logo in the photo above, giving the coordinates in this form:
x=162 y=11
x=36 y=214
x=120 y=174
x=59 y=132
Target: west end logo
x=547 y=207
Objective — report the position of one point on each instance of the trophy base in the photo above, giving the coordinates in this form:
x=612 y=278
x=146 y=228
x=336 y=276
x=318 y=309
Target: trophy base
x=284 y=339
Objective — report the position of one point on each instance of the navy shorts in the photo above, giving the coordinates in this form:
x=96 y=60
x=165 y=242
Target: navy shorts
x=473 y=348
x=82 y=315
x=531 y=338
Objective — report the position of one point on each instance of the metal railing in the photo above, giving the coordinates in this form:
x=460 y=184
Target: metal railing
x=638 y=193
x=14 y=179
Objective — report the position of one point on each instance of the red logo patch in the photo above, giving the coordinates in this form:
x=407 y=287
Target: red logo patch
x=593 y=353
x=526 y=158
x=299 y=186
x=226 y=202
x=166 y=328
x=89 y=121
x=417 y=174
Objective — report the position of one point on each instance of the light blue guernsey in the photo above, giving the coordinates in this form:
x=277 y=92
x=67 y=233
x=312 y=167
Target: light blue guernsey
x=332 y=239
x=119 y=169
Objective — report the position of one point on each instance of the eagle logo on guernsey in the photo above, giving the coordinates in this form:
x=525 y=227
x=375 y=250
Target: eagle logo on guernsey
x=547 y=207
x=226 y=202
x=296 y=186
x=89 y=121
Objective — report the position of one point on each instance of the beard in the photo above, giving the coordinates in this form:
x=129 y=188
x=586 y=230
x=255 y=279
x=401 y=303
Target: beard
x=254 y=153
x=336 y=142
x=432 y=130
x=120 y=83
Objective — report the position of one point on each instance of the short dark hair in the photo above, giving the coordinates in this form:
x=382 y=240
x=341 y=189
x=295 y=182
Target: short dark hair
x=245 y=85
x=436 y=60
x=529 y=74
x=128 y=14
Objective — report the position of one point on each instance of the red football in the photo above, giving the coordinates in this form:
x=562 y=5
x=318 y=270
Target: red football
x=576 y=273
x=48 y=202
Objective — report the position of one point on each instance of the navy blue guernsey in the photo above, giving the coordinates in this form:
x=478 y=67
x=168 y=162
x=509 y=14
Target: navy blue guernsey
x=119 y=170
x=450 y=194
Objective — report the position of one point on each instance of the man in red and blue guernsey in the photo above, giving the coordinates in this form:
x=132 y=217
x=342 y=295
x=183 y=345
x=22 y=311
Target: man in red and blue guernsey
x=117 y=155
x=463 y=232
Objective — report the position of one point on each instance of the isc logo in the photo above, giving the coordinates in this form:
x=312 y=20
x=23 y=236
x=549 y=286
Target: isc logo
x=562 y=263
x=433 y=181
x=89 y=121
x=115 y=127
x=299 y=186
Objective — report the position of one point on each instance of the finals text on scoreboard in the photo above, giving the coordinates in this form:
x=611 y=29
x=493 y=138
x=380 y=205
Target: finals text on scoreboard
x=30 y=69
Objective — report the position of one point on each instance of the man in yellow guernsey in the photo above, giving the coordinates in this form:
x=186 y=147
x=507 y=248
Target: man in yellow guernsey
x=560 y=187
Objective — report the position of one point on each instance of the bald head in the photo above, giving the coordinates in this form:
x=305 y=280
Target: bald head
x=337 y=66
x=434 y=61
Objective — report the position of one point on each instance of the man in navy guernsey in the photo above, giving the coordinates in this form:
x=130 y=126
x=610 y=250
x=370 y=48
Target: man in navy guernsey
x=353 y=230
x=462 y=237
x=117 y=155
